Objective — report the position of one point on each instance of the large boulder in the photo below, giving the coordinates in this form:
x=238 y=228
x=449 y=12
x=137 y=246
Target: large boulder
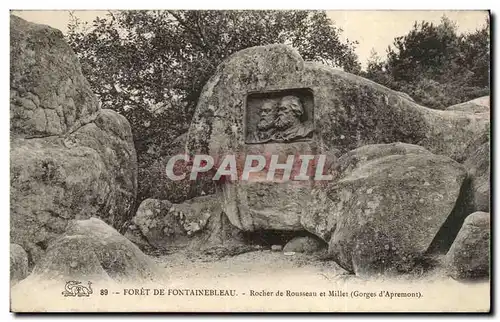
x=18 y=264
x=340 y=112
x=469 y=255
x=92 y=250
x=385 y=208
x=48 y=93
x=69 y=158
x=349 y=111
x=357 y=157
x=478 y=105
x=483 y=101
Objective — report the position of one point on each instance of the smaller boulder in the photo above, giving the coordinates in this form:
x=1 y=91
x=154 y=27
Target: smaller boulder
x=193 y=214
x=18 y=263
x=469 y=255
x=153 y=221
x=164 y=224
x=276 y=248
x=305 y=244
x=198 y=224
x=90 y=249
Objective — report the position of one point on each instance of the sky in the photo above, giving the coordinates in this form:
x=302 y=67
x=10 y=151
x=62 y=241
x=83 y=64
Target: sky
x=372 y=29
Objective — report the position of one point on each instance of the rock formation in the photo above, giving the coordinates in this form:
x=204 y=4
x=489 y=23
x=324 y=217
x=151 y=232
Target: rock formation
x=384 y=211
x=380 y=193
x=478 y=105
x=90 y=249
x=303 y=244
x=349 y=111
x=403 y=176
x=469 y=256
x=197 y=224
x=69 y=158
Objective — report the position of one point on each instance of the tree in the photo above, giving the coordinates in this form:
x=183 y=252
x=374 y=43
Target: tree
x=151 y=66
x=376 y=69
x=426 y=50
x=436 y=65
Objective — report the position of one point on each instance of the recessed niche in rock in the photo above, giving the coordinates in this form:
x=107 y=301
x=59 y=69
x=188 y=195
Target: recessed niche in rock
x=279 y=116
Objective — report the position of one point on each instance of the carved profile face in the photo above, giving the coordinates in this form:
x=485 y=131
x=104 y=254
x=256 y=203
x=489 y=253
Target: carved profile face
x=267 y=116
x=289 y=112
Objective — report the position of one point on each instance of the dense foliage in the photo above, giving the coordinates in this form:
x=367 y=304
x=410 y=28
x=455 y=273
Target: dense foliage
x=436 y=65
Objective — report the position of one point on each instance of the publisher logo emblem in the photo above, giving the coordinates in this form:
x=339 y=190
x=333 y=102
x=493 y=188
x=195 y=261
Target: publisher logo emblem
x=75 y=288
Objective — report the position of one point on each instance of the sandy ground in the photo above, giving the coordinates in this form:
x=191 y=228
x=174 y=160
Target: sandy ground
x=183 y=265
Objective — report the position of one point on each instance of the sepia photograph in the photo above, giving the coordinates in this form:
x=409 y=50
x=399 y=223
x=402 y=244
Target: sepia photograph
x=250 y=161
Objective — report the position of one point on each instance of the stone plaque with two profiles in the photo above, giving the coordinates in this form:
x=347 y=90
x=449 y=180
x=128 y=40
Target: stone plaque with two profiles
x=279 y=116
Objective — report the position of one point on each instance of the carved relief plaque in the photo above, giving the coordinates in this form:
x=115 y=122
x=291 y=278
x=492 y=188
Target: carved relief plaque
x=279 y=116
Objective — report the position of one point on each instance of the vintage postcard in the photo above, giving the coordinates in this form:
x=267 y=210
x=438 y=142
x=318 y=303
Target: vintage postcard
x=250 y=161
